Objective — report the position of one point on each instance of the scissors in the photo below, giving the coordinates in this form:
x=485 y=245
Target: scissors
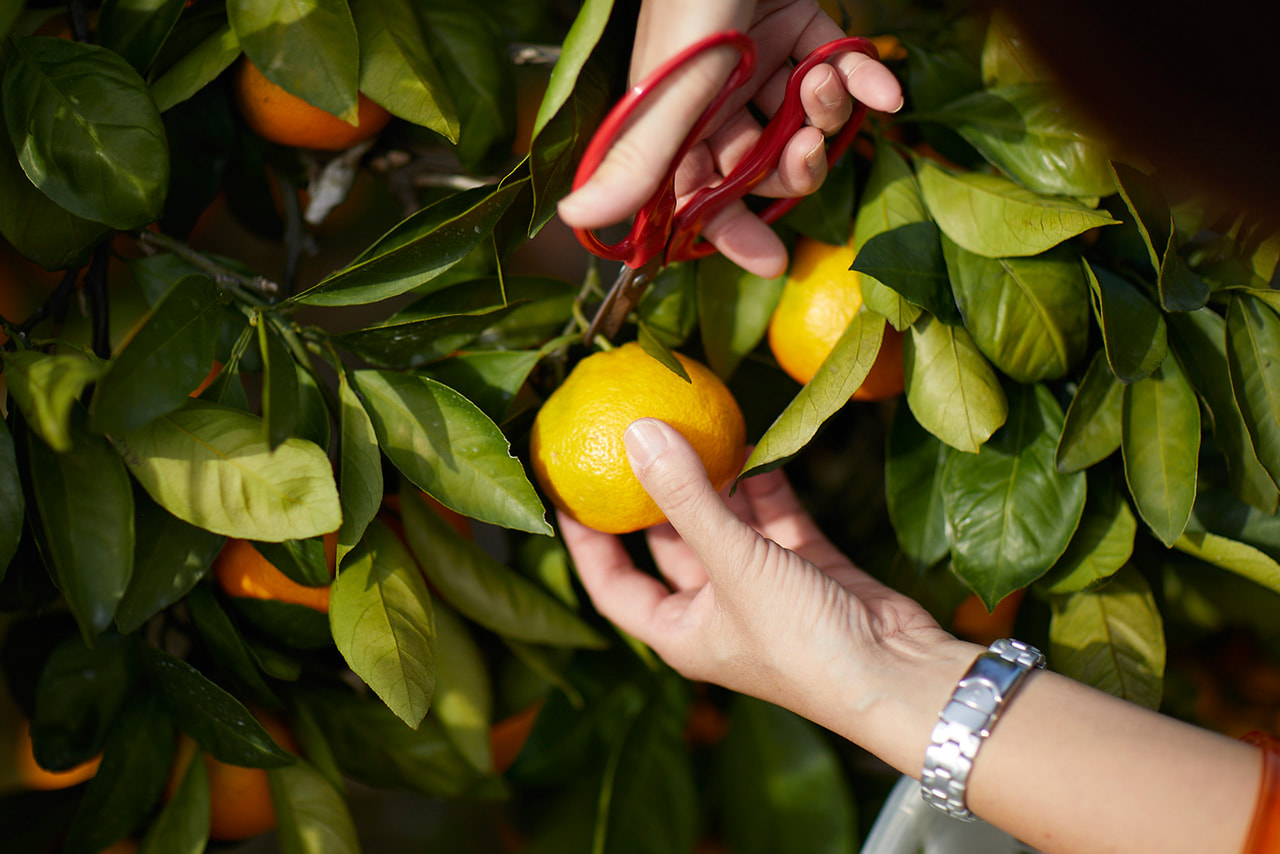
x=659 y=235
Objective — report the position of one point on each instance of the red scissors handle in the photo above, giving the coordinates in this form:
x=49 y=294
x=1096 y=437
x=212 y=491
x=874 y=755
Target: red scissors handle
x=657 y=229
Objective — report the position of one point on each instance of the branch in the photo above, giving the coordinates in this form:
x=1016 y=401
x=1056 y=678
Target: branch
x=224 y=276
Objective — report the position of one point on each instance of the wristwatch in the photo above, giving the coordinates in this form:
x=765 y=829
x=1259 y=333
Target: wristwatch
x=968 y=718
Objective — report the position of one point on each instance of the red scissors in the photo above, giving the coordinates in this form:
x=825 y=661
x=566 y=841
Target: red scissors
x=658 y=234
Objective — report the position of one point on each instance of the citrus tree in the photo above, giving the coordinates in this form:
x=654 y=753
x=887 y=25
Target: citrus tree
x=278 y=320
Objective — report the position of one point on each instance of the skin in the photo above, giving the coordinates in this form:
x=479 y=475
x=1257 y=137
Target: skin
x=753 y=597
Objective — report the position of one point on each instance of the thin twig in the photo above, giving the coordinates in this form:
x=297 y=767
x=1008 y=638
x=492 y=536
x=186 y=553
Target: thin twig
x=55 y=305
x=225 y=277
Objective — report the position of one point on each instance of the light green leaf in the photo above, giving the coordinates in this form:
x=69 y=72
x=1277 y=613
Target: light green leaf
x=735 y=307
x=463 y=700
x=1101 y=546
x=1133 y=329
x=46 y=388
x=312 y=816
x=1006 y=56
x=1160 y=441
x=1253 y=353
x=360 y=483
x=890 y=199
x=952 y=391
x=1233 y=556
x=581 y=39
x=491 y=379
x=396 y=68
x=210 y=465
x=196 y=69
x=1092 y=429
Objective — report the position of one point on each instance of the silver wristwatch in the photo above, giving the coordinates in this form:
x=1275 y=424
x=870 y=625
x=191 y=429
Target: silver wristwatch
x=968 y=718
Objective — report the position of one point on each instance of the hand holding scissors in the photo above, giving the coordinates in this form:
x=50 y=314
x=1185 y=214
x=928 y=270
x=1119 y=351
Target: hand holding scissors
x=659 y=234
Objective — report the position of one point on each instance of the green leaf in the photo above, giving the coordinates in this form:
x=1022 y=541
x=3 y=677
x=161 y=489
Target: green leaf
x=784 y=788
x=86 y=130
x=280 y=385
x=735 y=307
x=1101 y=546
x=989 y=215
x=825 y=214
x=482 y=589
x=579 y=42
x=225 y=645
x=313 y=409
x=491 y=379
x=1160 y=441
x=913 y=466
x=1253 y=351
x=196 y=69
x=359 y=469
x=1133 y=330
x=217 y=721
x=1026 y=131
x=312 y=816
x=12 y=502
x=182 y=827
x=1029 y=316
x=890 y=199
x=396 y=68
x=46 y=387
x=909 y=260
x=1242 y=559
x=307 y=47
x=78 y=697
x=951 y=389
x=170 y=557
x=86 y=510
x=655 y=348
x=295 y=626
x=830 y=389
x=1218 y=511
x=136 y=29
x=408 y=342
x=1010 y=512
x=1007 y=58
x=167 y=357
x=210 y=465
x=417 y=250
x=1092 y=429
x=9 y=11
x=670 y=306
x=303 y=561
x=1112 y=639
x=463 y=701
x=380 y=615
x=449 y=449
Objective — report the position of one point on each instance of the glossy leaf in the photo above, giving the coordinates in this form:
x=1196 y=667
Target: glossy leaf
x=914 y=462
x=312 y=816
x=560 y=141
x=86 y=130
x=908 y=259
x=784 y=789
x=1029 y=316
x=307 y=47
x=482 y=589
x=584 y=34
x=409 y=343
x=836 y=380
x=12 y=501
x=78 y=697
x=491 y=379
x=1233 y=556
x=1010 y=512
x=303 y=561
x=1160 y=441
x=280 y=385
x=952 y=391
x=223 y=641
x=1253 y=351
x=1179 y=289
x=182 y=827
x=196 y=69
x=890 y=199
x=46 y=388
x=1133 y=329
x=735 y=307
x=1221 y=513
x=217 y=721
x=136 y=29
x=989 y=215
x=313 y=409
x=396 y=67
x=1112 y=639
x=1007 y=58
x=449 y=449
x=380 y=615
x=417 y=250
x=210 y=465
x=167 y=356
x=360 y=484
x=655 y=348
x=85 y=503
x=463 y=701
x=1092 y=429
x=1102 y=544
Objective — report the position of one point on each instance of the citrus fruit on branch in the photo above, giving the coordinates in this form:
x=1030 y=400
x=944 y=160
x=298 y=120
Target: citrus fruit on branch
x=281 y=117
x=242 y=571
x=576 y=443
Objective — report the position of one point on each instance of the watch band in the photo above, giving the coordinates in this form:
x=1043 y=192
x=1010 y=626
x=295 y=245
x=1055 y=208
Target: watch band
x=968 y=718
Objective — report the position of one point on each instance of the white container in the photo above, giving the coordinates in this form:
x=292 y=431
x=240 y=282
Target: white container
x=907 y=825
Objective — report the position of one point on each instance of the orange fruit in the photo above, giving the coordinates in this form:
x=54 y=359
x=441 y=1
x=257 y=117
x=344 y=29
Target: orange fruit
x=124 y=846
x=973 y=622
x=214 y=370
x=239 y=798
x=507 y=737
x=818 y=301
x=242 y=571
x=32 y=776
x=576 y=444
x=284 y=118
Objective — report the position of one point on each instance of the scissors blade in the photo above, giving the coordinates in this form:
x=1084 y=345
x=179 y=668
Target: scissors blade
x=622 y=298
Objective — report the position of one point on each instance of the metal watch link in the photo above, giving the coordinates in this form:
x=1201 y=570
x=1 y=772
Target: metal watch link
x=968 y=718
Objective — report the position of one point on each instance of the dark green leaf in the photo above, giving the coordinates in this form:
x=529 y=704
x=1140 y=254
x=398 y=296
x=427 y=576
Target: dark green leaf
x=1010 y=512
x=655 y=348
x=825 y=214
x=417 y=250
x=182 y=827
x=1253 y=353
x=280 y=385
x=396 y=68
x=491 y=379
x=136 y=29
x=914 y=462
x=1180 y=289
x=1112 y=639
x=890 y=199
x=78 y=698
x=449 y=449
x=463 y=701
x=734 y=307
x=1133 y=330
x=296 y=626
x=12 y=502
x=1102 y=544
x=360 y=469
x=167 y=357
x=407 y=344
x=86 y=130
x=1221 y=513
x=952 y=391
x=670 y=306
x=1091 y=432
x=909 y=260
x=380 y=615
x=312 y=816
x=46 y=388
x=196 y=68
x=226 y=646
x=1160 y=441
x=1150 y=211
x=313 y=409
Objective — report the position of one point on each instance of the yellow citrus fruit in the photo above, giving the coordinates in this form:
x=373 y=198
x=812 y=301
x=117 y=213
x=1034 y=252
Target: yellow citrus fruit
x=284 y=118
x=242 y=571
x=576 y=444
x=818 y=301
x=32 y=776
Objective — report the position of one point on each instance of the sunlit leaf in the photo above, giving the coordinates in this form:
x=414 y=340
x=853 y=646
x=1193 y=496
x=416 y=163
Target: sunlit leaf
x=312 y=816
x=890 y=199
x=951 y=389
x=463 y=701
x=196 y=69
x=1092 y=429
x=1233 y=556
x=735 y=307
x=1160 y=441
x=588 y=26
x=359 y=469
x=46 y=388
x=1007 y=58
x=1102 y=544
x=396 y=68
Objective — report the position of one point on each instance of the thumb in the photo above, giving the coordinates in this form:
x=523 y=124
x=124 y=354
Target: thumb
x=670 y=471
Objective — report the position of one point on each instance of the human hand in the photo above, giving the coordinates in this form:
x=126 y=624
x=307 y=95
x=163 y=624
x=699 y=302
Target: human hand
x=783 y=30
x=756 y=599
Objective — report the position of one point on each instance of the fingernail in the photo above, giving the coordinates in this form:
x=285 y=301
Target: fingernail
x=644 y=441
x=831 y=92
x=814 y=155
x=901 y=102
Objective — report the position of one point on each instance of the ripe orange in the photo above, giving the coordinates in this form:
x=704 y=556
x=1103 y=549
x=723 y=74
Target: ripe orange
x=32 y=776
x=576 y=443
x=818 y=301
x=508 y=736
x=241 y=570
x=973 y=622
x=239 y=798
x=284 y=118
